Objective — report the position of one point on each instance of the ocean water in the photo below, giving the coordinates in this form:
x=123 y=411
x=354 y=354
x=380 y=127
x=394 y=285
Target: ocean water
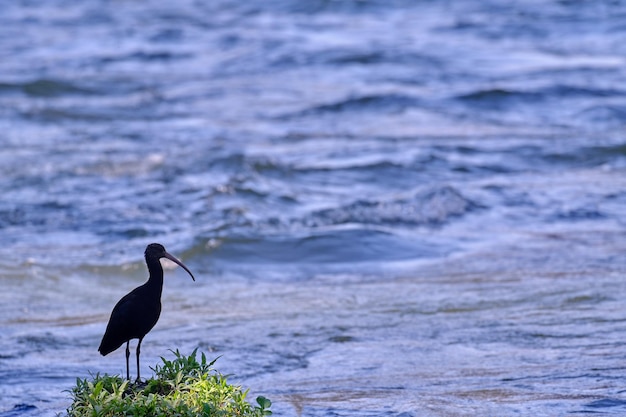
x=392 y=208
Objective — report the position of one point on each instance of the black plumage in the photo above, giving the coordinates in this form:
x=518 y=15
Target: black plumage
x=139 y=310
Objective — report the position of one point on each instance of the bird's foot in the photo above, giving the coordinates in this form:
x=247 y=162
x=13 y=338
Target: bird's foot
x=139 y=383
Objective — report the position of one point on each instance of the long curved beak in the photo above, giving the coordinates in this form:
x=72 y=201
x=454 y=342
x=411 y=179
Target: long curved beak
x=175 y=260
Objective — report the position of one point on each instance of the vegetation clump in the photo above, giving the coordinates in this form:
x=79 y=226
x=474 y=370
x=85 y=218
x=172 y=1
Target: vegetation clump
x=183 y=387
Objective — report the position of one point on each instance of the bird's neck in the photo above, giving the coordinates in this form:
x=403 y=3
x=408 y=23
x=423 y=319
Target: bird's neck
x=156 y=275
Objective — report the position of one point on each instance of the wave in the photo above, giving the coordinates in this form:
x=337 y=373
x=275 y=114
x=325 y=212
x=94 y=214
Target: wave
x=45 y=87
x=502 y=97
x=388 y=103
x=432 y=207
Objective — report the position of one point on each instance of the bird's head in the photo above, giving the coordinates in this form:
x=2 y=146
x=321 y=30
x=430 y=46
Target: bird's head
x=157 y=251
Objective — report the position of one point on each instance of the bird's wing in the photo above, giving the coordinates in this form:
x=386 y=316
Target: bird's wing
x=120 y=326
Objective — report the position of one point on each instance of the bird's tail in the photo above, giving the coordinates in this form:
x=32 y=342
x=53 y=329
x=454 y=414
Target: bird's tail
x=107 y=346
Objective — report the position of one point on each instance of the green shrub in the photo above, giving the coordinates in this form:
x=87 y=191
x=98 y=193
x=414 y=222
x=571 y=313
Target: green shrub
x=182 y=387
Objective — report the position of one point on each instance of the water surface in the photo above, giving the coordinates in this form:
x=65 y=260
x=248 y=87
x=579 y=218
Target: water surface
x=391 y=208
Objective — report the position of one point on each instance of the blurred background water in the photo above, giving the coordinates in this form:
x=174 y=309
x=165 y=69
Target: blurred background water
x=392 y=208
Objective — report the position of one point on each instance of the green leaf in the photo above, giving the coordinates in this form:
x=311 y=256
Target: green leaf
x=263 y=402
x=182 y=387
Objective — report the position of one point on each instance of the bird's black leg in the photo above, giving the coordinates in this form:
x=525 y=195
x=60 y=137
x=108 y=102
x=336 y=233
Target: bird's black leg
x=138 y=351
x=127 y=356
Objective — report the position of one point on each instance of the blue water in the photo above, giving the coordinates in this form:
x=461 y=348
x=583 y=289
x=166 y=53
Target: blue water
x=392 y=208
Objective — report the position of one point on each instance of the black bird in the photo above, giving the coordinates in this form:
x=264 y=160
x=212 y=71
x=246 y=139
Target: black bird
x=139 y=310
